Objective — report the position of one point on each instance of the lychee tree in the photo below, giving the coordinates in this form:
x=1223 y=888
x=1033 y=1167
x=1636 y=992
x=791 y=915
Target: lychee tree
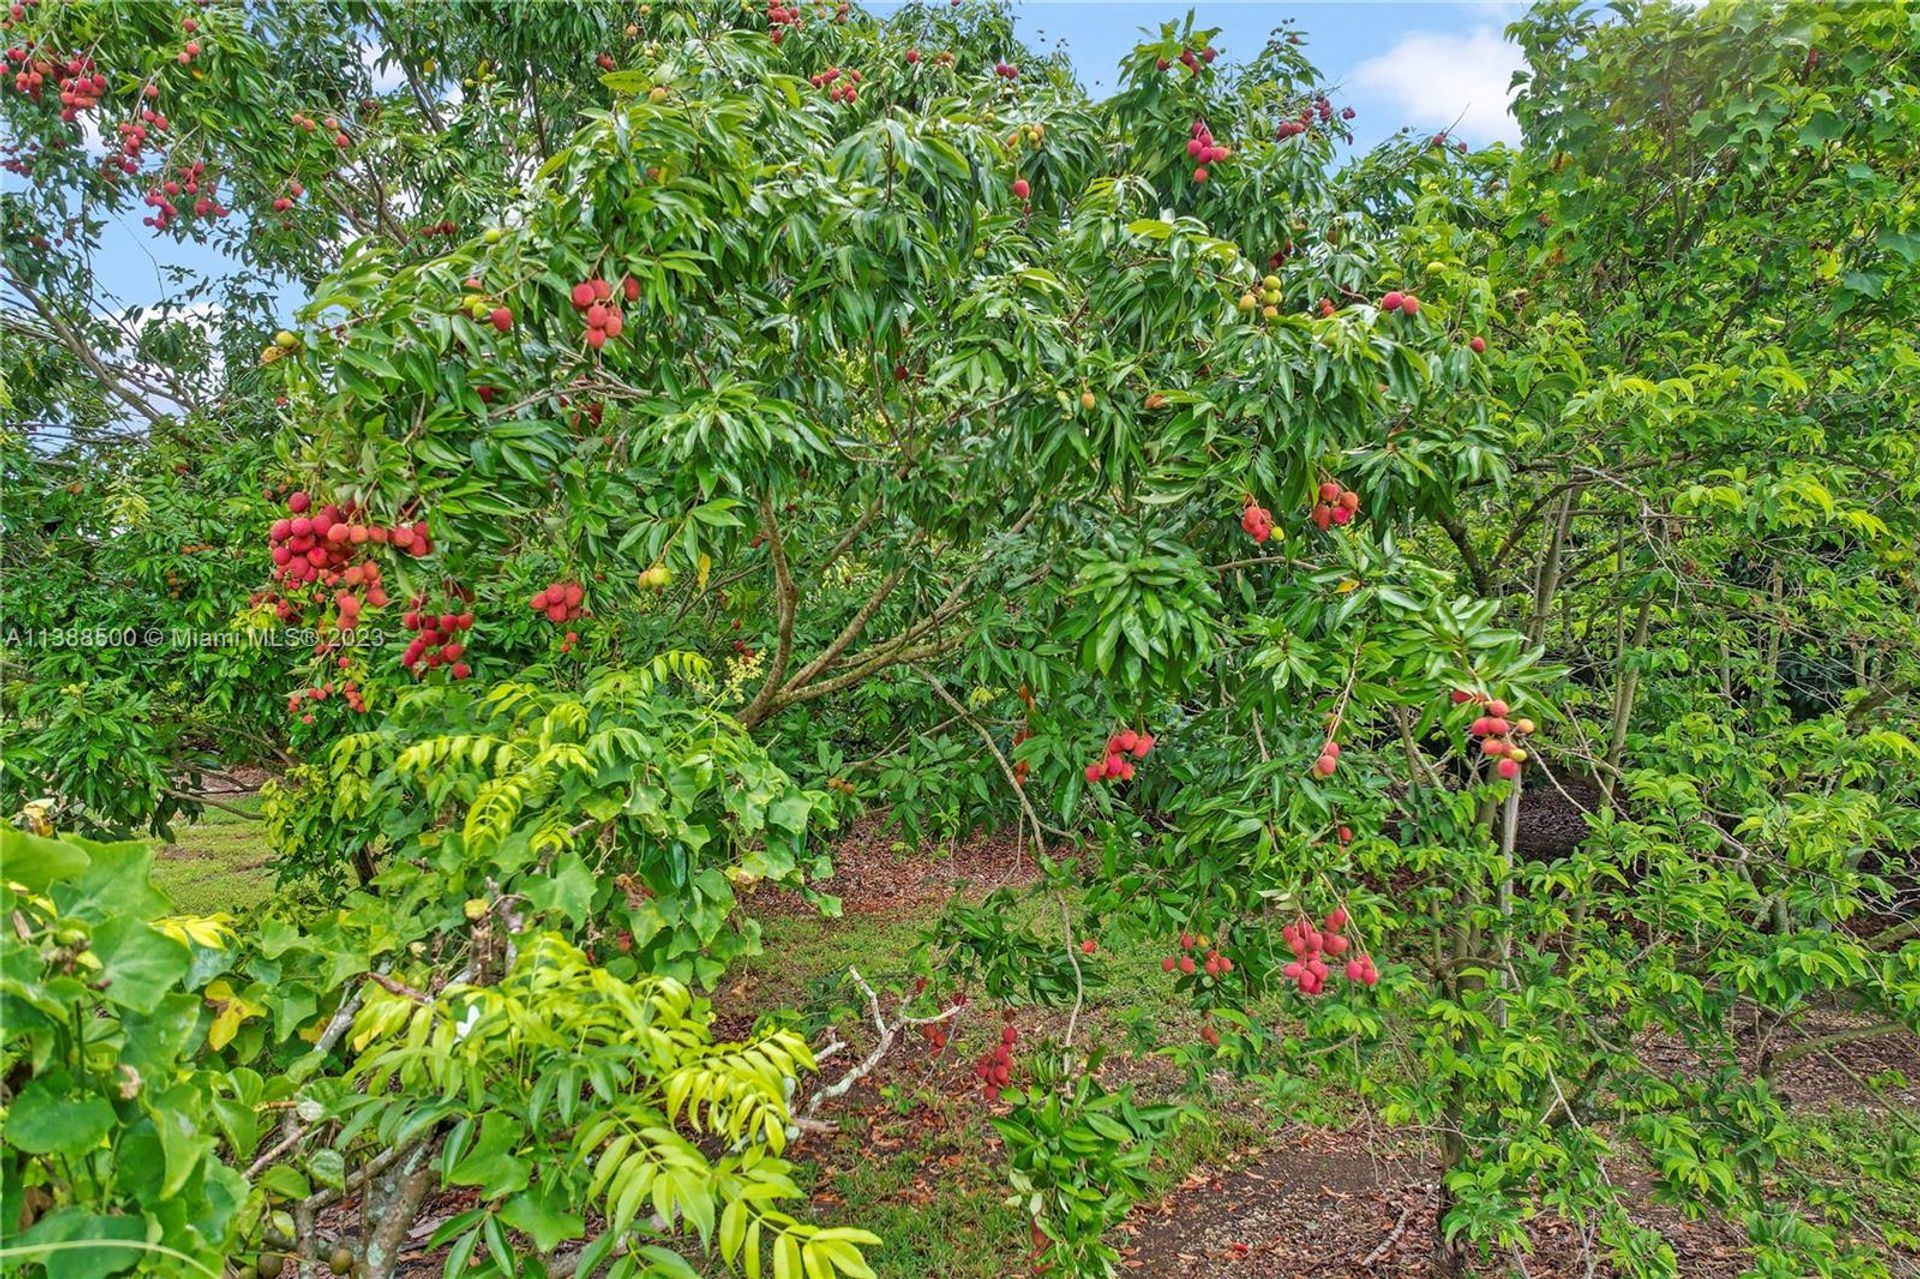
x=1698 y=355
x=259 y=138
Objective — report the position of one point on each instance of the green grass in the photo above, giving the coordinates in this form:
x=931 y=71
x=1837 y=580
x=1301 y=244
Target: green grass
x=1872 y=1158
x=218 y=863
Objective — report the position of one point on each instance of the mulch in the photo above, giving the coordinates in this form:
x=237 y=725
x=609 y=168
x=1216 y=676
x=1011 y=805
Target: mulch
x=1322 y=1204
x=873 y=873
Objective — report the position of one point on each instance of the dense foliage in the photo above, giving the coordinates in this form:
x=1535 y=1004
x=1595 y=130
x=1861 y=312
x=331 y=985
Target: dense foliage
x=1463 y=604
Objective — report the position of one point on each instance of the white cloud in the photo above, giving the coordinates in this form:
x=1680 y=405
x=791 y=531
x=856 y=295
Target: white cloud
x=1435 y=78
x=385 y=79
x=206 y=317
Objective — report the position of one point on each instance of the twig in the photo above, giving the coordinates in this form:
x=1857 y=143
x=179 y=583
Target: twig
x=865 y=1067
x=395 y=987
x=1073 y=957
x=208 y=802
x=273 y=1152
x=1393 y=1237
x=1033 y=818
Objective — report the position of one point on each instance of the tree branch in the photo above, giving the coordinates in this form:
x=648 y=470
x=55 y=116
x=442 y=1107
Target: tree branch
x=787 y=598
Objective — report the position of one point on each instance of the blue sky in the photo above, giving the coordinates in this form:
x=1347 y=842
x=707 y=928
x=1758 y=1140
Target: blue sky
x=1425 y=65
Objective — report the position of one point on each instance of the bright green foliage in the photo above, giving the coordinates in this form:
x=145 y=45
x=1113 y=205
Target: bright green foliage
x=547 y=1082
x=1078 y=1156
x=568 y=1088
x=632 y=808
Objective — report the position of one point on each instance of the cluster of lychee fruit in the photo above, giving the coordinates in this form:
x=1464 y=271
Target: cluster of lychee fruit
x=1312 y=947
x=79 y=82
x=483 y=310
x=1189 y=59
x=840 y=784
x=841 y=86
x=1213 y=963
x=559 y=601
x=593 y=298
x=1257 y=521
x=936 y=1033
x=1006 y=71
x=780 y=17
x=1031 y=135
x=322 y=545
x=1318 y=111
x=994 y=1070
x=281 y=203
x=311 y=125
x=1328 y=759
x=1336 y=506
x=1201 y=148
x=133 y=139
x=325 y=549
x=436 y=641
x=193 y=181
x=348 y=691
x=1405 y=303
x=1267 y=299
x=1496 y=734
x=1115 y=765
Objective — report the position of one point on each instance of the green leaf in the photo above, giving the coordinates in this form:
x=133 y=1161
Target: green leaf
x=491 y=1165
x=568 y=889
x=96 y=1258
x=47 y=1119
x=139 y=964
x=36 y=863
x=541 y=1211
x=185 y=1139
